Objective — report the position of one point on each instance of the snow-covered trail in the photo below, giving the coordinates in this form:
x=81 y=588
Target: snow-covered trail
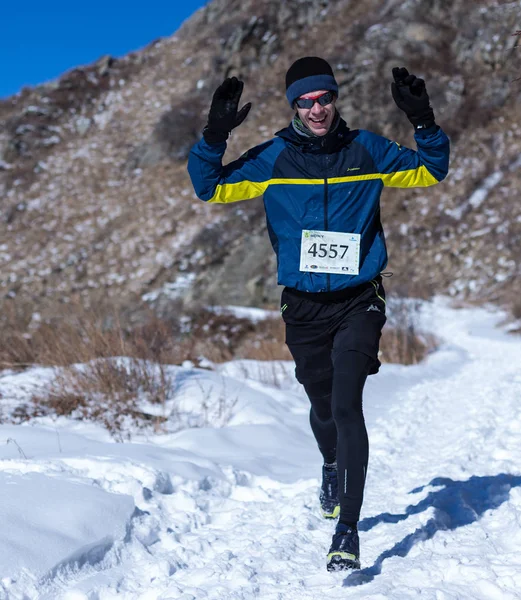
x=232 y=513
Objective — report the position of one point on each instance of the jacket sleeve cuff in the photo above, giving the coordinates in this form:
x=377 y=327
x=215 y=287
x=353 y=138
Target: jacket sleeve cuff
x=427 y=131
x=214 y=137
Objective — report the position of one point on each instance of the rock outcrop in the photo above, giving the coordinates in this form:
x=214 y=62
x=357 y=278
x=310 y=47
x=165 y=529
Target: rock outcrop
x=95 y=198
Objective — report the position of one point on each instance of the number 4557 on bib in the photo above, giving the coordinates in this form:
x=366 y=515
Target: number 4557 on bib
x=330 y=252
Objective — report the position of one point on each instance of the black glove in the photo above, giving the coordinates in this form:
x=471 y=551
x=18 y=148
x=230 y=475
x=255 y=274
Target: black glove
x=223 y=115
x=410 y=95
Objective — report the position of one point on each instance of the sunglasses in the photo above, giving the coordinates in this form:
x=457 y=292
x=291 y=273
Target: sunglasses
x=323 y=100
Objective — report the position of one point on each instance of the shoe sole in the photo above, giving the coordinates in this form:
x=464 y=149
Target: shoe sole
x=332 y=515
x=342 y=561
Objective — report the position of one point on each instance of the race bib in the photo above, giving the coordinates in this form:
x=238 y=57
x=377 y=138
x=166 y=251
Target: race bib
x=330 y=252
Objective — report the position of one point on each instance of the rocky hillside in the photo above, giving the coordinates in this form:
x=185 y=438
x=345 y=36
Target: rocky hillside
x=95 y=201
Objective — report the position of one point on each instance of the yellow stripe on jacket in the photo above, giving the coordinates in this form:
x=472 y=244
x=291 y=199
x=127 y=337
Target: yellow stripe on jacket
x=419 y=177
x=247 y=190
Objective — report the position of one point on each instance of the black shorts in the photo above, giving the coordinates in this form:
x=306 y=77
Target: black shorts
x=318 y=325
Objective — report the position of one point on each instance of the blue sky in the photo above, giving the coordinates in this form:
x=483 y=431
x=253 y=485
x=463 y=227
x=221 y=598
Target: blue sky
x=41 y=40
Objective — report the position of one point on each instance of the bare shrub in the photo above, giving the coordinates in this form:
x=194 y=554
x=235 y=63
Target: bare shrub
x=402 y=342
x=215 y=336
x=18 y=447
x=516 y=310
x=106 y=366
x=109 y=367
x=216 y=411
x=266 y=342
x=84 y=334
x=16 y=350
x=271 y=373
x=109 y=391
x=265 y=350
x=81 y=334
x=78 y=338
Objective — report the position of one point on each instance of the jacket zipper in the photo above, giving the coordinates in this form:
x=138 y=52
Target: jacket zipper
x=326 y=220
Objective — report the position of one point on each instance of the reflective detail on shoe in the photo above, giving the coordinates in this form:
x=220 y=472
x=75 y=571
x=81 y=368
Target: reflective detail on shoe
x=336 y=562
x=344 y=555
x=344 y=552
x=329 y=493
x=331 y=515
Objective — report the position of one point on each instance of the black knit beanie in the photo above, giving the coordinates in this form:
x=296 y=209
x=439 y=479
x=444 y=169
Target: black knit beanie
x=307 y=75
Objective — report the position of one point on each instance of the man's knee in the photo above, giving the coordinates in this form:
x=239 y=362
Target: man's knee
x=320 y=389
x=347 y=414
x=319 y=394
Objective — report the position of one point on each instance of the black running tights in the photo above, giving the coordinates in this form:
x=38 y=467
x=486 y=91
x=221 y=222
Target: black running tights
x=337 y=421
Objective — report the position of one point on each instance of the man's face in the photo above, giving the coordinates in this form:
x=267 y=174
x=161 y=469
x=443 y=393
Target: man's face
x=318 y=118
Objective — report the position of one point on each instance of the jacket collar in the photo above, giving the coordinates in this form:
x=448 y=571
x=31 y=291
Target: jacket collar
x=338 y=136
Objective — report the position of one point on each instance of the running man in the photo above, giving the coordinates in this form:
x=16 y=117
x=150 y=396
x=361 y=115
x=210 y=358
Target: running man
x=321 y=183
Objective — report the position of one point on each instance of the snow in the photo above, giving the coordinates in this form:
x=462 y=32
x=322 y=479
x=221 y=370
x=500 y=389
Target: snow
x=172 y=289
x=478 y=196
x=245 y=312
x=229 y=510
x=90 y=520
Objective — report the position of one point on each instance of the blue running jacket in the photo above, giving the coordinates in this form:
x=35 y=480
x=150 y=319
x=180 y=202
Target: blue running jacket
x=329 y=183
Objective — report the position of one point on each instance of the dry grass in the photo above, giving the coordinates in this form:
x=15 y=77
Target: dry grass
x=82 y=335
x=266 y=342
x=515 y=313
x=108 y=391
x=91 y=383
x=516 y=309
x=15 y=345
x=107 y=366
x=402 y=342
x=216 y=409
x=404 y=345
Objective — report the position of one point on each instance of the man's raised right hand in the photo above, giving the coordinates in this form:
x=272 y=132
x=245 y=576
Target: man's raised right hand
x=224 y=114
